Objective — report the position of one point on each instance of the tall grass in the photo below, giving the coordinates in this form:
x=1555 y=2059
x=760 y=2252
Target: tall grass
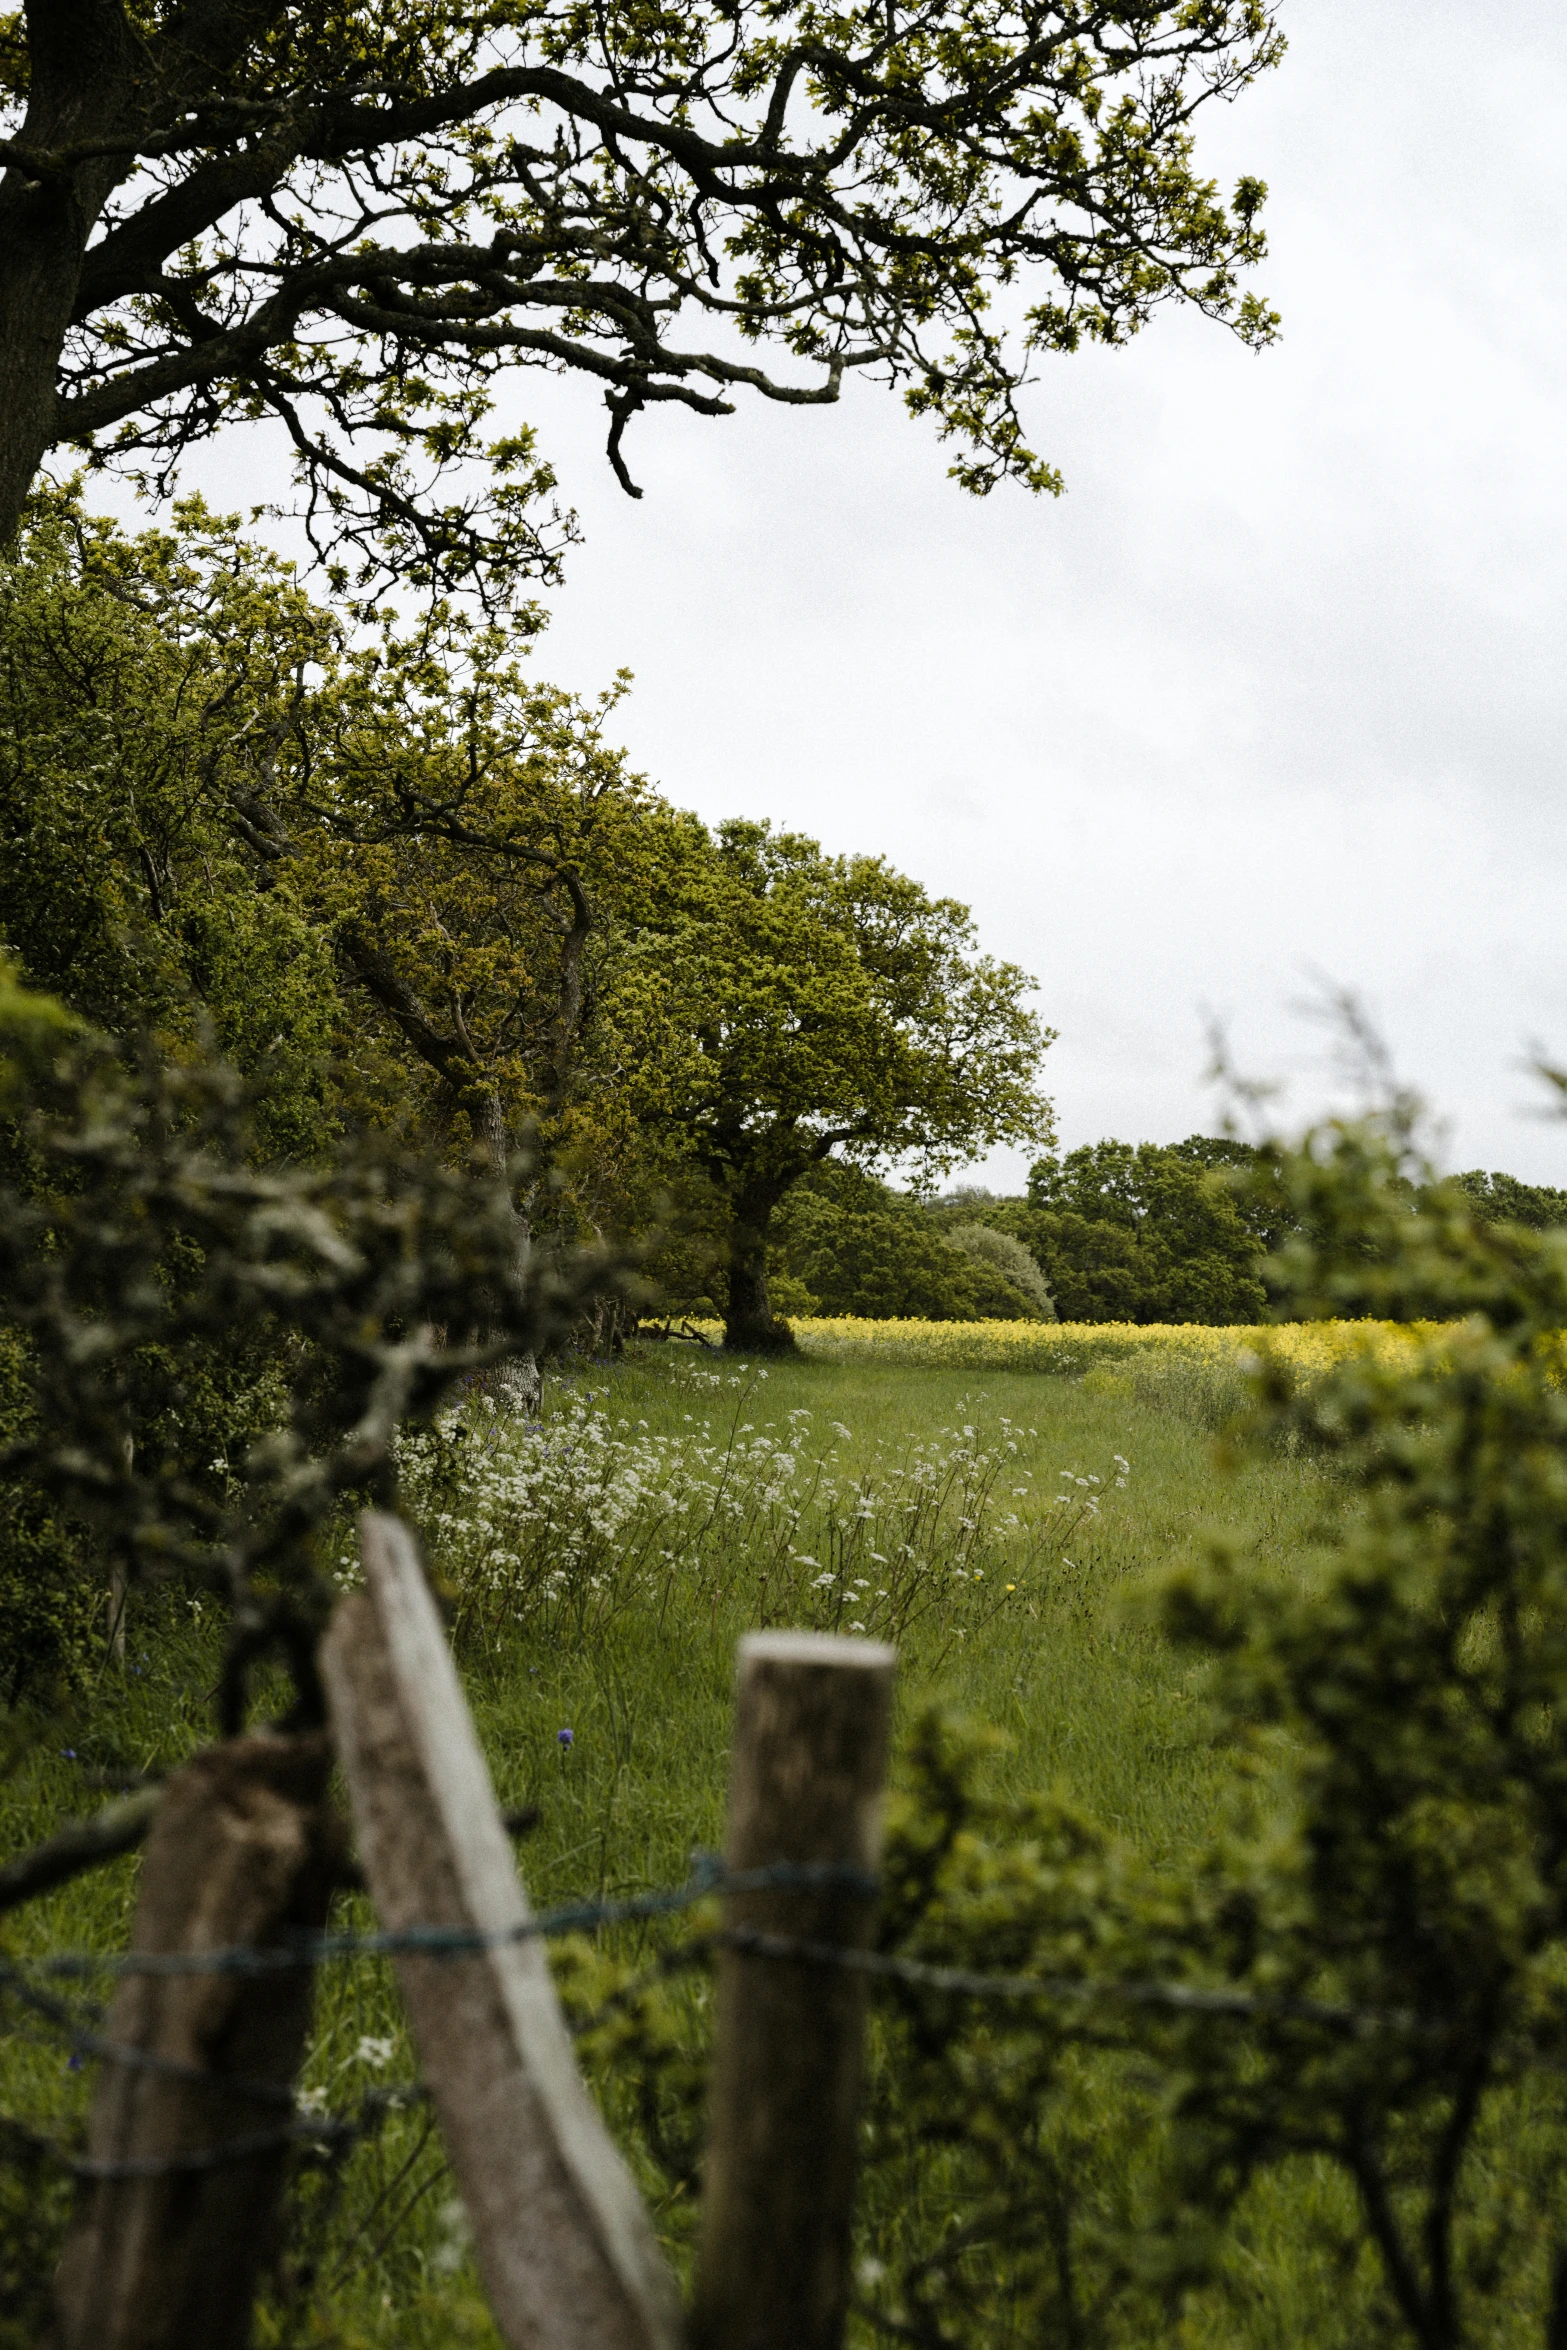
x=557 y=1526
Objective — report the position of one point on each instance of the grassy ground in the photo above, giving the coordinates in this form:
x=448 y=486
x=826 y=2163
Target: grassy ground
x=1091 y=1699
x=631 y=1649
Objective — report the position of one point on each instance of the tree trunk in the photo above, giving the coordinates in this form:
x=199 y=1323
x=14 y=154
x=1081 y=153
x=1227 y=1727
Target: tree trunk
x=43 y=233
x=83 y=56
x=750 y=1326
x=518 y=1383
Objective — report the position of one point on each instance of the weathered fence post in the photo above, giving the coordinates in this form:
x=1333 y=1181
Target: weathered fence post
x=175 y=2216
x=810 y=1751
x=564 y=2245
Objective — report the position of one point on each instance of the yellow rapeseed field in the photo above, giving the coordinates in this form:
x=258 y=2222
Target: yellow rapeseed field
x=1072 y=1348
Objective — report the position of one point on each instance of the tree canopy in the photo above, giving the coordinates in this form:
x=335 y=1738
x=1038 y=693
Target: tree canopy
x=403 y=888
x=141 y=681
x=379 y=853
x=352 y=221
x=1502 y=1199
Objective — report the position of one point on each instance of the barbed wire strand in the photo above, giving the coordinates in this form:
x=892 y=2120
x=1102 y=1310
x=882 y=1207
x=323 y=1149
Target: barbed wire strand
x=1190 y=1998
x=707 y=1878
x=322 y=2132
x=449 y=1943
x=86 y=2042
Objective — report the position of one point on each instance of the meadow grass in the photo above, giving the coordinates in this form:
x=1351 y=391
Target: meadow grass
x=639 y=1667
x=1090 y=1696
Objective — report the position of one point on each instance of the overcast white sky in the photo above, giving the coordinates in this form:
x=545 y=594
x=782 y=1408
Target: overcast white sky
x=1275 y=690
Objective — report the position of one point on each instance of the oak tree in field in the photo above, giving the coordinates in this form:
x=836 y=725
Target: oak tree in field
x=814 y=1008
x=354 y=220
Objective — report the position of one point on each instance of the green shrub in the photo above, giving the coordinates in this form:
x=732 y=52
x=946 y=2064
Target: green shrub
x=51 y=1608
x=201 y=1359
x=858 y=1261
x=846 y=1244
x=1005 y=1257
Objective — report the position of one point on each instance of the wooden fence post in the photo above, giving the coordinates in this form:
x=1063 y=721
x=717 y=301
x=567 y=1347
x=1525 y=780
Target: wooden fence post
x=564 y=2245
x=243 y=1850
x=810 y=1750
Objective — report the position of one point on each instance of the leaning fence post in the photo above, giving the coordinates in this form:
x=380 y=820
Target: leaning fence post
x=564 y=2246
x=810 y=1751
x=190 y=2126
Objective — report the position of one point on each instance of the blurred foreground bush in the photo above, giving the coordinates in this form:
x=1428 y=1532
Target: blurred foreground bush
x=202 y=1359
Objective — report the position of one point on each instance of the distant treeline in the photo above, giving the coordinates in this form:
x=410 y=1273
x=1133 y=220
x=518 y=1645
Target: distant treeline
x=1111 y=1232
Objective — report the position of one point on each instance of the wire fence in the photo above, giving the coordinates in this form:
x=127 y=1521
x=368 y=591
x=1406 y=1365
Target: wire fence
x=707 y=1880
x=708 y=1877
x=25 y=1983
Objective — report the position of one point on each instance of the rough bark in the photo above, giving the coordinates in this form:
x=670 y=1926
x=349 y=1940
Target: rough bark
x=812 y=1716
x=570 y=990
x=190 y=2145
x=750 y=1325
x=562 y=2240
x=83 y=61
x=518 y=1382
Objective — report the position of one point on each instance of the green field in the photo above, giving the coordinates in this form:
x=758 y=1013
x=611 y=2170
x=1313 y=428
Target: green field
x=1089 y=1698
x=633 y=1651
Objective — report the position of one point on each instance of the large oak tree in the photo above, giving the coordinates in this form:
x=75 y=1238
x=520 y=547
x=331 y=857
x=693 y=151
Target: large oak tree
x=806 y=1010
x=353 y=218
